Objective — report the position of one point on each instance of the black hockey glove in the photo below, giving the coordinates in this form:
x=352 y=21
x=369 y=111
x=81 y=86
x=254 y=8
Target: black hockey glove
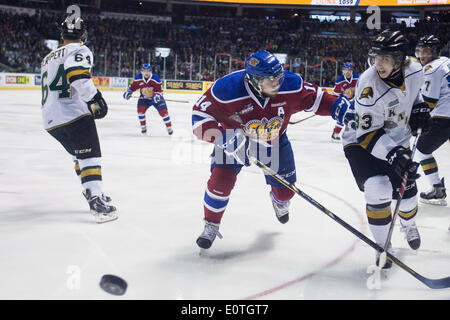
x=98 y=106
x=235 y=144
x=420 y=118
x=400 y=160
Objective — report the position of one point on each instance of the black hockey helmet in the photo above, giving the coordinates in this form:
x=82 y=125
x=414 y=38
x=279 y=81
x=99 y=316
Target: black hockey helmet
x=73 y=28
x=429 y=41
x=392 y=43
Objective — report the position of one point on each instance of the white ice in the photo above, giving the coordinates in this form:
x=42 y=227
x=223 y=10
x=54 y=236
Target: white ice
x=51 y=248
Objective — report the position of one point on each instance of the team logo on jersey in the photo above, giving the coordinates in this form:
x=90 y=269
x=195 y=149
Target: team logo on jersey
x=349 y=92
x=253 y=62
x=428 y=67
x=366 y=93
x=265 y=129
x=147 y=92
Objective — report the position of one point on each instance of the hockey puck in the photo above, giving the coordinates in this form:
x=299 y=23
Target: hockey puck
x=113 y=284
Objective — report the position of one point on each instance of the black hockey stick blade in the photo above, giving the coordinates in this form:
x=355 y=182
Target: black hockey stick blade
x=431 y=283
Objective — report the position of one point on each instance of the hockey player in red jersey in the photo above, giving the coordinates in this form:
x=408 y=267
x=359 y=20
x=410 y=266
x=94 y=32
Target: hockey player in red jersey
x=246 y=113
x=151 y=92
x=345 y=85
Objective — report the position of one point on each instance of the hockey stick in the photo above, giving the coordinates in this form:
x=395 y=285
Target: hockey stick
x=401 y=192
x=298 y=121
x=431 y=283
x=170 y=100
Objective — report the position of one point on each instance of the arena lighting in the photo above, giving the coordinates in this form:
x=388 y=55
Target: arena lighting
x=343 y=3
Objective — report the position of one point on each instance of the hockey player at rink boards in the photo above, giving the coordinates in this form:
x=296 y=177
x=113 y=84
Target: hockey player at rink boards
x=389 y=109
x=151 y=94
x=436 y=93
x=247 y=113
x=344 y=85
x=70 y=103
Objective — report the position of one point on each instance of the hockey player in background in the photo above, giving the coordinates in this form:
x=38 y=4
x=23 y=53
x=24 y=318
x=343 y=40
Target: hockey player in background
x=151 y=94
x=345 y=85
x=70 y=103
x=436 y=93
x=247 y=113
x=389 y=109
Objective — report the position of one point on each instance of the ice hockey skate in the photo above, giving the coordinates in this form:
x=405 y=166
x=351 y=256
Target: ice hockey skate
x=411 y=234
x=208 y=235
x=169 y=130
x=144 y=130
x=100 y=209
x=281 y=209
x=435 y=196
x=335 y=137
x=105 y=198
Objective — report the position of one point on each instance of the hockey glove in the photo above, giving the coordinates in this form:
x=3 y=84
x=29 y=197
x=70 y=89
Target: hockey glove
x=420 y=118
x=400 y=160
x=127 y=94
x=235 y=144
x=98 y=106
x=343 y=111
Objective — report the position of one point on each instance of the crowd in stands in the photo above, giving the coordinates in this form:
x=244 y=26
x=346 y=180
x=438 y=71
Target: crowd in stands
x=120 y=46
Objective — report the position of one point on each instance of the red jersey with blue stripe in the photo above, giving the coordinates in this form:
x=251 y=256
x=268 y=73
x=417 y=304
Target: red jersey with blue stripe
x=230 y=103
x=152 y=85
x=346 y=87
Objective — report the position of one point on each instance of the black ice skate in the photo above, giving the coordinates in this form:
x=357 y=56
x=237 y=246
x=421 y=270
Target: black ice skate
x=281 y=210
x=335 y=137
x=105 y=198
x=143 y=130
x=169 y=130
x=208 y=235
x=100 y=209
x=411 y=234
x=436 y=196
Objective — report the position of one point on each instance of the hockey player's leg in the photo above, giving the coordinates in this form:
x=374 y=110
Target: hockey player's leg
x=280 y=201
x=407 y=213
x=335 y=136
x=216 y=198
x=426 y=145
x=141 y=109
x=91 y=179
x=378 y=193
x=161 y=106
x=282 y=161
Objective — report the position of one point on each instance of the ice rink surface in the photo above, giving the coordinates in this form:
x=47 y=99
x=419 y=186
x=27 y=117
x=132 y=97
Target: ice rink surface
x=51 y=248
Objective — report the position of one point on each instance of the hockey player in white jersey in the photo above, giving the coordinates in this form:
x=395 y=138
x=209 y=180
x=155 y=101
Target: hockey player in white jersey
x=436 y=93
x=389 y=108
x=70 y=103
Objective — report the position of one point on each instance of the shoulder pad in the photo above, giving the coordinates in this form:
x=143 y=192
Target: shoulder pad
x=156 y=78
x=138 y=76
x=230 y=87
x=412 y=67
x=365 y=87
x=340 y=78
x=292 y=82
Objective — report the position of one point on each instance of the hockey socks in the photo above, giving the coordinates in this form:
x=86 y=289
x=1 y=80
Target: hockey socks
x=217 y=193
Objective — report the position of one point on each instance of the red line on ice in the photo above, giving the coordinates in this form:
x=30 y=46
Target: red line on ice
x=327 y=265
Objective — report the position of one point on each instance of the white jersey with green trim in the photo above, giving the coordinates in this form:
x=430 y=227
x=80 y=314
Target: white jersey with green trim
x=66 y=84
x=383 y=110
x=436 y=86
